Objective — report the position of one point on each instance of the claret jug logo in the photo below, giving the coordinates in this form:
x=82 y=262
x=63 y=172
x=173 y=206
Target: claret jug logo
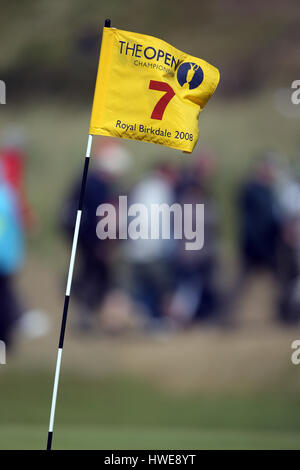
x=189 y=75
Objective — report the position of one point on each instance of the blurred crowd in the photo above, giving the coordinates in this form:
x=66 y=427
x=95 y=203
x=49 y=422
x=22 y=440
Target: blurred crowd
x=160 y=282
x=158 y=285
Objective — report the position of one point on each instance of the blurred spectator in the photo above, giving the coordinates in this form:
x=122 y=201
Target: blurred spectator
x=151 y=259
x=196 y=295
x=288 y=256
x=92 y=279
x=18 y=219
x=259 y=216
x=11 y=258
x=13 y=159
x=258 y=222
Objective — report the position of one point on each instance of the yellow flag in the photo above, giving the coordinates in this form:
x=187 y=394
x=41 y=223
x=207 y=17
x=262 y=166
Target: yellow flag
x=148 y=90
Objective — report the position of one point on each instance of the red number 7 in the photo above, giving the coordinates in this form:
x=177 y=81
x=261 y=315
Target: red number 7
x=161 y=105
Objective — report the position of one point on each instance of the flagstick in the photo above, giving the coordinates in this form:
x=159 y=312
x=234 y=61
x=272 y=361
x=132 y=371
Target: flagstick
x=68 y=291
x=69 y=283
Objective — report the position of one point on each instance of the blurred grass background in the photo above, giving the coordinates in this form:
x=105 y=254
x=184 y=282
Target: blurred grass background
x=202 y=389
x=93 y=414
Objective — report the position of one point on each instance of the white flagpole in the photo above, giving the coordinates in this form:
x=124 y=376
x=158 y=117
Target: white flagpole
x=68 y=292
x=69 y=284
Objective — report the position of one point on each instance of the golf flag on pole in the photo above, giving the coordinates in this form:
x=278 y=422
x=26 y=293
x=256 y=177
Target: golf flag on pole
x=148 y=90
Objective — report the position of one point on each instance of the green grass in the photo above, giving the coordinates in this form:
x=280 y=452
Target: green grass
x=126 y=413
x=117 y=437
